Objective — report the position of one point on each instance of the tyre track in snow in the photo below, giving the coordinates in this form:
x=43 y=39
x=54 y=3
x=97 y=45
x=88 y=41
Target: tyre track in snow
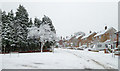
x=88 y=59
x=106 y=67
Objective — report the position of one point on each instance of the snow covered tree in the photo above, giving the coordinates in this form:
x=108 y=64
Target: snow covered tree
x=19 y=33
x=0 y=30
x=7 y=33
x=37 y=22
x=44 y=33
x=4 y=29
x=33 y=38
x=46 y=36
x=21 y=21
x=47 y=20
x=30 y=23
x=10 y=28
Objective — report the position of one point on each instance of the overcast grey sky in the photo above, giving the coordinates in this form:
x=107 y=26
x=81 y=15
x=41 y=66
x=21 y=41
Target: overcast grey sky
x=71 y=17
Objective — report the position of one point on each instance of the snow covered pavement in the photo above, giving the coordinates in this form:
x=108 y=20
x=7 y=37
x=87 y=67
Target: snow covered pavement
x=60 y=59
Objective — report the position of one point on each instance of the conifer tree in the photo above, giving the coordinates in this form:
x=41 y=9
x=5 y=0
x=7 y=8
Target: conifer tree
x=21 y=21
x=3 y=27
x=37 y=22
x=47 y=20
x=11 y=29
x=30 y=23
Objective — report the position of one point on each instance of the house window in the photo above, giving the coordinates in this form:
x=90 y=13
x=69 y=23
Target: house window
x=99 y=45
x=80 y=44
x=100 y=37
x=106 y=45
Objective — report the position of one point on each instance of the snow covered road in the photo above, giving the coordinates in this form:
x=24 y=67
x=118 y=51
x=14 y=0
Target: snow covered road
x=60 y=59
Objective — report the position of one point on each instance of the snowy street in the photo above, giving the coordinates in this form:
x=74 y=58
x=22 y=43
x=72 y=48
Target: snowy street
x=60 y=59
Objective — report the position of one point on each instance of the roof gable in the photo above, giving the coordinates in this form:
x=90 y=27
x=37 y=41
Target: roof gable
x=104 y=31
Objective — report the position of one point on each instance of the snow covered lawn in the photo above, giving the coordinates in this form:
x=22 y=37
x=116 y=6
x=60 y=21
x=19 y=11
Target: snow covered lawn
x=60 y=59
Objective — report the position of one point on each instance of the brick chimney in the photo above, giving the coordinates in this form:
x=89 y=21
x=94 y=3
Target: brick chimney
x=61 y=37
x=90 y=31
x=105 y=27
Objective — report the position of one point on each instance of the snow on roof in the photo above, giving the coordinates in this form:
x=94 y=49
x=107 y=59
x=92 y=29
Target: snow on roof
x=117 y=32
x=79 y=36
x=87 y=35
x=68 y=38
x=103 y=32
x=107 y=41
x=100 y=33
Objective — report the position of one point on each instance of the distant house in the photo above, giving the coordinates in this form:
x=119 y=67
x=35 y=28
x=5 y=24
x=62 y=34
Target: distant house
x=87 y=39
x=105 y=35
x=74 y=40
x=117 y=38
x=67 y=42
x=60 y=42
x=79 y=40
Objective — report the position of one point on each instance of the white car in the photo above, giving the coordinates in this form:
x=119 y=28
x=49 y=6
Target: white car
x=84 y=46
x=69 y=48
x=79 y=48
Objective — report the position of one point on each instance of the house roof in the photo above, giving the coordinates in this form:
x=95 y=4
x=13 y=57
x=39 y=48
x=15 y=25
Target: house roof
x=87 y=35
x=103 y=32
x=117 y=32
x=79 y=36
x=67 y=38
x=107 y=41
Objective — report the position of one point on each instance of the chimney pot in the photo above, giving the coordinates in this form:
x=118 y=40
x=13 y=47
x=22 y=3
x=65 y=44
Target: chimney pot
x=90 y=31
x=105 y=27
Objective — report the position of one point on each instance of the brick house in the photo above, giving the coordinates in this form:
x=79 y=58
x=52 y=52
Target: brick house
x=79 y=40
x=60 y=42
x=107 y=34
x=117 y=38
x=87 y=39
x=74 y=40
x=63 y=42
x=66 y=42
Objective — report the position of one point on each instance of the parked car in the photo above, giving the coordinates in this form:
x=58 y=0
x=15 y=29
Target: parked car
x=69 y=47
x=92 y=49
x=79 y=48
x=84 y=46
x=74 y=48
x=99 y=46
x=89 y=49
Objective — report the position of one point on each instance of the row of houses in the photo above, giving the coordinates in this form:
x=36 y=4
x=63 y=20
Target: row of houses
x=108 y=36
